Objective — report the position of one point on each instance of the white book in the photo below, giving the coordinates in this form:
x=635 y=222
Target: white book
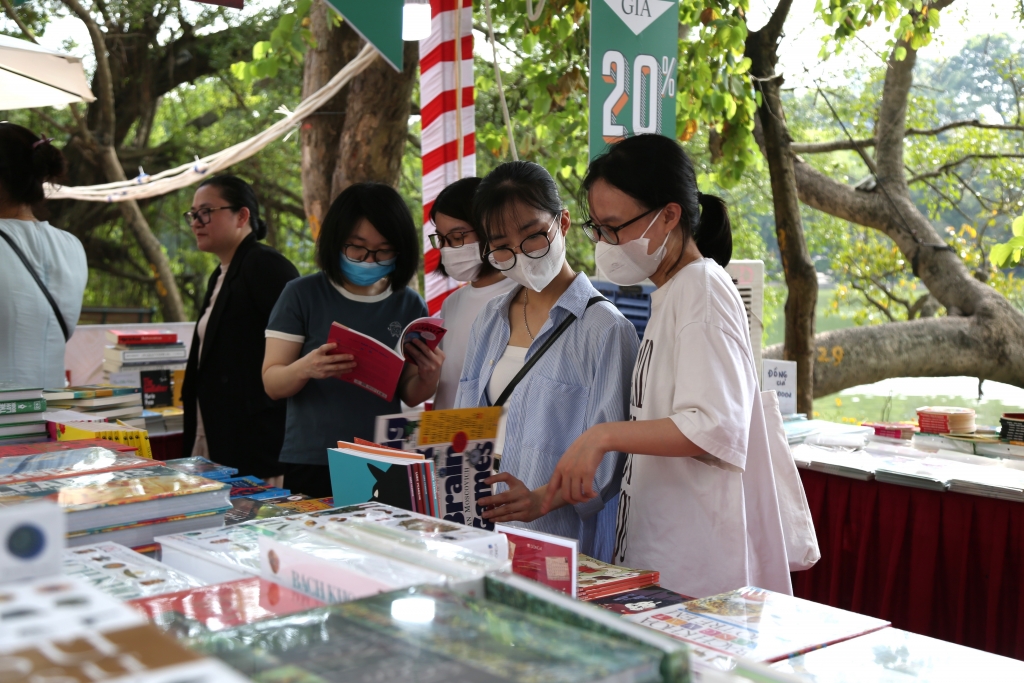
x=145 y=354
x=122 y=573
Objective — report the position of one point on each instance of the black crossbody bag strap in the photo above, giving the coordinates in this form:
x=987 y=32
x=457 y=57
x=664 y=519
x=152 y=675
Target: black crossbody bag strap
x=569 y=320
x=35 y=276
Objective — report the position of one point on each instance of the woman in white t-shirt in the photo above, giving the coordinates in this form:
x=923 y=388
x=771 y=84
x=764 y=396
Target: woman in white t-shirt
x=462 y=260
x=698 y=493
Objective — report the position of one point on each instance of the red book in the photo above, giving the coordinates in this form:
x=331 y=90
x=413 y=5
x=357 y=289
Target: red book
x=223 y=605
x=138 y=337
x=545 y=558
x=378 y=368
x=55 y=446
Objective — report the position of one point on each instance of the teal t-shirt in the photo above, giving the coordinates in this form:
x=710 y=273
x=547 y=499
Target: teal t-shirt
x=329 y=410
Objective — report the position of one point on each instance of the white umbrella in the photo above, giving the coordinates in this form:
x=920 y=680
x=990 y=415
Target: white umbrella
x=33 y=76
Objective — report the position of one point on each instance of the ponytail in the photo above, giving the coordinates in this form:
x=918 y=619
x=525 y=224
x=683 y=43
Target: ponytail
x=714 y=231
x=26 y=162
x=655 y=171
x=238 y=193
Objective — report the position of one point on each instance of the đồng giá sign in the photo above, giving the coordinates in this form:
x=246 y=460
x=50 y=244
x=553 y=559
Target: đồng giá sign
x=634 y=48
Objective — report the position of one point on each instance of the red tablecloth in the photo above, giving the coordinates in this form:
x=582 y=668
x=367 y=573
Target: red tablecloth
x=945 y=565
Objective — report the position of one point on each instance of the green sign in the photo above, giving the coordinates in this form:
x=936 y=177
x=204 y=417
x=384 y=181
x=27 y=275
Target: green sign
x=634 y=47
x=379 y=22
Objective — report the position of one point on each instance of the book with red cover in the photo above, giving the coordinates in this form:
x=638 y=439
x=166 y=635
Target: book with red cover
x=378 y=368
x=222 y=606
x=57 y=446
x=598 y=579
x=430 y=331
x=544 y=558
x=138 y=337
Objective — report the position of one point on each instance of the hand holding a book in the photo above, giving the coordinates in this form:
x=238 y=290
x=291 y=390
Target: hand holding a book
x=321 y=363
x=517 y=504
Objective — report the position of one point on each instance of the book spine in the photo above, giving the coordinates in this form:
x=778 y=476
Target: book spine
x=417 y=500
x=128 y=356
x=16 y=407
x=428 y=487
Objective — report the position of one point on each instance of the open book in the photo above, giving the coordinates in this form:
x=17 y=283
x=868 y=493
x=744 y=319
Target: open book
x=378 y=367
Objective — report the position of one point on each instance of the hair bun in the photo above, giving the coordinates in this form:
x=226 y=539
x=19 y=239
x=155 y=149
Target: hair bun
x=259 y=228
x=48 y=163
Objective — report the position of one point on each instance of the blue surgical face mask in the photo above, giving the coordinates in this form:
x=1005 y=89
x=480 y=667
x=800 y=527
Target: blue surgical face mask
x=364 y=273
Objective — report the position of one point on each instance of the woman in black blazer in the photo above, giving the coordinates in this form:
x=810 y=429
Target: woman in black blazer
x=228 y=416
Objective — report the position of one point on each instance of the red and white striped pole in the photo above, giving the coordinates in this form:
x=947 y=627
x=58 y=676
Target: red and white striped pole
x=448 y=139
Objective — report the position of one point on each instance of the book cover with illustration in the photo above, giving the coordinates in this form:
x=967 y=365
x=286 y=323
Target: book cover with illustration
x=122 y=573
x=194 y=611
x=755 y=624
x=99 y=500
x=598 y=579
x=544 y=558
x=69 y=463
x=640 y=600
x=361 y=474
x=399 y=431
x=201 y=467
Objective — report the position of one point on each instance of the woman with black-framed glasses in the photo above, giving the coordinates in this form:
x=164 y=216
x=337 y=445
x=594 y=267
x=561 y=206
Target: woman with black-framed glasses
x=580 y=380
x=368 y=253
x=223 y=379
x=461 y=247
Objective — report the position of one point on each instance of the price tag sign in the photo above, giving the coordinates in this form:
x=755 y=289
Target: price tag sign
x=634 y=48
x=780 y=376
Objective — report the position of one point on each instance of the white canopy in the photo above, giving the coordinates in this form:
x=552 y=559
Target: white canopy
x=33 y=76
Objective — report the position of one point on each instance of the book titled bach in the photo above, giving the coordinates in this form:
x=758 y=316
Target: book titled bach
x=378 y=368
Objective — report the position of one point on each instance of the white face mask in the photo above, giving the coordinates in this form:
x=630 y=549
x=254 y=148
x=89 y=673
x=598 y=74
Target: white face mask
x=629 y=263
x=537 y=273
x=462 y=263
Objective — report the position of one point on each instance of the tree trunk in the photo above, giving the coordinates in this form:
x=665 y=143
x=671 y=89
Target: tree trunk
x=801 y=278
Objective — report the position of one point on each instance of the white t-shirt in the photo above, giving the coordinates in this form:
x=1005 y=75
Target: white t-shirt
x=459 y=311
x=709 y=524
x=31 y=342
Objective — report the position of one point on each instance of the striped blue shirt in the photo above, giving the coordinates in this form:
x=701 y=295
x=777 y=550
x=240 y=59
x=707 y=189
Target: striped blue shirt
x=581 y=381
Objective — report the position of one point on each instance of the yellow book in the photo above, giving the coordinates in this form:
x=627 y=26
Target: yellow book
x=121 y=433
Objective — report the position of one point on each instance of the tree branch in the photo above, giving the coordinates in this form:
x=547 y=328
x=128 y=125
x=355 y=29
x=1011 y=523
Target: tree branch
x=22 y=26
x=830 y=146
x=953 y=164
x=841 y=145
x=772 y=31
x=104 y=82
x=874 y=302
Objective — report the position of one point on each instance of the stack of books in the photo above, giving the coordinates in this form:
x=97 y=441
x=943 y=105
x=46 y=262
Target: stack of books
x=598 y=579
x=57 y=464
x=902 y=431
x=137 y=351
x=21 y=415
x=129 y=505
x=120 y=432
x=98 y=402
x=946 y=420
x=1011 y=428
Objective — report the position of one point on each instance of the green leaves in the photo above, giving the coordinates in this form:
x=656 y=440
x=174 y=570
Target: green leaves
x=1008 y=255
x=286 y=47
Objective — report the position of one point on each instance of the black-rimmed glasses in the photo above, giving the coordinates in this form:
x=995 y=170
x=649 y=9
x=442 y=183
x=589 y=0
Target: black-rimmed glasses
x=203 y=215
x=453 y=239
x=360 y=254
x=535 y=246
x=610 y=233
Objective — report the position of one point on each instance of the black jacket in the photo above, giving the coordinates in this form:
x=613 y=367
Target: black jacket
x=244 y=427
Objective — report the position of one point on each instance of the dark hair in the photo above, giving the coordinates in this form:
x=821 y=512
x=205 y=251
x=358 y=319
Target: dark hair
x=26 y=162
x=655 y=171
x=239 y=193
x=456 y=201
x=513 y=182
x=385 y=209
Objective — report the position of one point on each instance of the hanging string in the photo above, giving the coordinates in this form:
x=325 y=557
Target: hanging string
x=497 y=77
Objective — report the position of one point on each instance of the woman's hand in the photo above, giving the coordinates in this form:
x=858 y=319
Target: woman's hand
x=574 y=474
x=518 y=504
x=321 y=364
x=428 y=362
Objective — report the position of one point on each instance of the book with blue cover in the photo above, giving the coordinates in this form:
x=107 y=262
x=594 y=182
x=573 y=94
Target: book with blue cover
x=201 y=467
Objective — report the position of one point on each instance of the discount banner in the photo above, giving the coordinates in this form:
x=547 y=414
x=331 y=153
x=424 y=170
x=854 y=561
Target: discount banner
x=634 y=47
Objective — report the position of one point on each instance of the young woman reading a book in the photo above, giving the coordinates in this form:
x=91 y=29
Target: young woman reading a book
x=698 y=494
x=578 y=381
x=224 y=378
x=368 y=253
x=461 y=259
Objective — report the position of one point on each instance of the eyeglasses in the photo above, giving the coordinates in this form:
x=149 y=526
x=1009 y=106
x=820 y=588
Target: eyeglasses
x=535 y=246
x=452 y=239
x=203 y=215
x=610 y=233
x=360 y=254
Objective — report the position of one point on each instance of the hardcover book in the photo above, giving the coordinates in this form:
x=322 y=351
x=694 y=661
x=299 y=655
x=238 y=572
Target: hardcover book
x=7 y=407
x=136 y=337
x=141 y=533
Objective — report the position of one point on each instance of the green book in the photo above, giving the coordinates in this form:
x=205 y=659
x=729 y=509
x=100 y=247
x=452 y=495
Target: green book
x=37 y=405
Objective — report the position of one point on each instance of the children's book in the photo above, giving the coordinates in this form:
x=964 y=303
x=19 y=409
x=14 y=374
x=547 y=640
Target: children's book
x=195 y=611
x=640 y=600
x=122 y=573
x=545 y=558
x=201 y=467
x=125 y=496
x=70 y=463
x=755 y=624
x=598 y=579
x=890 y=655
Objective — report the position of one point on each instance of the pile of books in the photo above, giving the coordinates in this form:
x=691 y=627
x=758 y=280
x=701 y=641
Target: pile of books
x=598 y=579
x=114 y=497
x=21 y=414
x=946 y=420
x=94 y=403
x=1012 y=428
x=120 y=432
x=902 y=431
x=137 y=351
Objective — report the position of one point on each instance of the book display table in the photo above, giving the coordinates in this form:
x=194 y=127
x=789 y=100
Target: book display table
x=943 y=564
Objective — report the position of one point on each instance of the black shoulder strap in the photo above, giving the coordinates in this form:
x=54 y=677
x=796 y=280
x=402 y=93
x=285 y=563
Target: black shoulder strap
x=35 y=276
x=569 y=320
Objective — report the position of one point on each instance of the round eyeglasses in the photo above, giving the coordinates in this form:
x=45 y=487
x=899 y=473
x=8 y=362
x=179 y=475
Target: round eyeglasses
x=535 y=246
x=610 y=233
x=203 y=215
x=360 y=254
x=454 y=239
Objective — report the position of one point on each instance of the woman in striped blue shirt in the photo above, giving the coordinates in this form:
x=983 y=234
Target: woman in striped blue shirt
x=583 y=378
